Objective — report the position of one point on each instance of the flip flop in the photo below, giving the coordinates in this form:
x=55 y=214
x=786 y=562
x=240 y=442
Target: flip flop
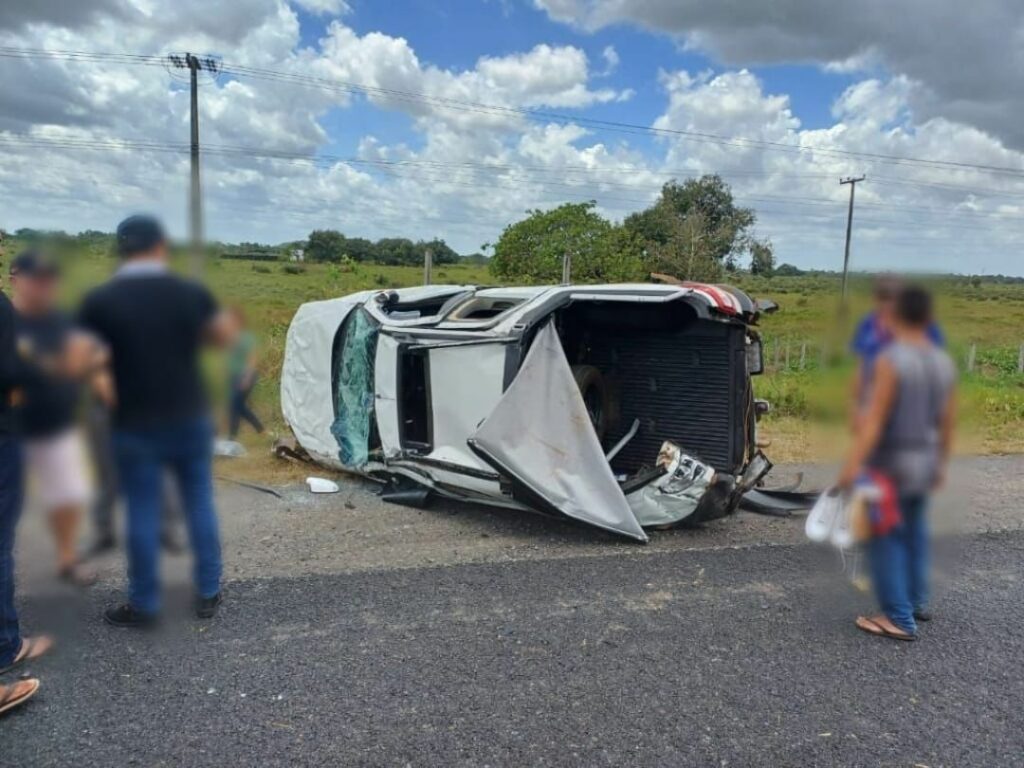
x=872 y=627
x=31 y=649
x=864 y=624
x=17 y=693
x=79 y=575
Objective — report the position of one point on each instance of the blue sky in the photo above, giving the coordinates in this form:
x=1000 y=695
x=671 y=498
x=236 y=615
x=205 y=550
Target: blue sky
x=454 y=34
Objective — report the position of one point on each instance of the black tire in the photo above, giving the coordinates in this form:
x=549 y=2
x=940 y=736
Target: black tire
x=595 y=396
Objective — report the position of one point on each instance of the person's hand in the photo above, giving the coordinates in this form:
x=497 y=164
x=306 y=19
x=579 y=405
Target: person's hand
x=847 y=477
x=81 y=355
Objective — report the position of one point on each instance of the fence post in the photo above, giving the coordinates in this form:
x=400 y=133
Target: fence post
x=971 y=354
x=803 y=355
x=787 y=353
x=778 y=349
x=1020 y=359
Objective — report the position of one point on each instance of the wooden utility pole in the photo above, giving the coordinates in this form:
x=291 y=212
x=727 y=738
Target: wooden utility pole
x=195 y=64
x=852 y=181
x=428 y=266
x=195 y=205
x=566 y=268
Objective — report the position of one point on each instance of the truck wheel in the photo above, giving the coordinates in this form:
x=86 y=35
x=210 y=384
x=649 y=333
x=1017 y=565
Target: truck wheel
x=595 y=397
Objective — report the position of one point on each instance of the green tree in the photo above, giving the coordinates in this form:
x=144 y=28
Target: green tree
x=788 y=270
x=687 y=252
x=325 y=245
x=532 y=250
x=441 y=252
x=723 y=226
x=398 y=250
x=762 y=258
x=360 y=249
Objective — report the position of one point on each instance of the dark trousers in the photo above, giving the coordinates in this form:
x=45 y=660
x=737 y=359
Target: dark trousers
x=10 y=509
x=187 y=450
x=238 y=408
x=98 y=429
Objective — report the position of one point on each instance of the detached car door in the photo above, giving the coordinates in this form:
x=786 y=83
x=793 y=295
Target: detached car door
x=539 y=436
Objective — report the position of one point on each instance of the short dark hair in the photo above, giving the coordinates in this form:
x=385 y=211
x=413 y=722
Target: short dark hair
x=914 y=306
x=33 y=263
x=139 y=234
x=886 y=287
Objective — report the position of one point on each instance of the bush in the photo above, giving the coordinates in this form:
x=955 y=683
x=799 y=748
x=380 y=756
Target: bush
x=261 y=268
x=293 y=269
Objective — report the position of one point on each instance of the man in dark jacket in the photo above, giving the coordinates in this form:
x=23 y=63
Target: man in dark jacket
x=14 y=648
x=154 y=324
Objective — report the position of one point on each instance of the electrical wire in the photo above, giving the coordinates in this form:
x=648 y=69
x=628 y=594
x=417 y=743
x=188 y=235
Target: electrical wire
x=342 y=86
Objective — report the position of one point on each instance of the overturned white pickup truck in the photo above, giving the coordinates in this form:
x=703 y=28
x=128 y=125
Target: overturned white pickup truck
x=621 y=406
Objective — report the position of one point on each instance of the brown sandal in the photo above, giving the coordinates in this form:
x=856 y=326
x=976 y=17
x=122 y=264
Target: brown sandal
x=79 y=575
x=875 y=627
x=31 y=649
x=864 y=624
x=17 y=693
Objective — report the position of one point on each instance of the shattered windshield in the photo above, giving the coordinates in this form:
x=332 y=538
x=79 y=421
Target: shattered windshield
x=353 y=395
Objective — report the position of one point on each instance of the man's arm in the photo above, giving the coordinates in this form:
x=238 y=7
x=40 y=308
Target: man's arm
x=882 y=396
x=856 y=394
x=946 y=429
x=221 y=330
x=218 y=326
x=8 y=346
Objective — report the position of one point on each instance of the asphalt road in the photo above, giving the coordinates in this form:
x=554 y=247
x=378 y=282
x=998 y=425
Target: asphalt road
x=713 y=650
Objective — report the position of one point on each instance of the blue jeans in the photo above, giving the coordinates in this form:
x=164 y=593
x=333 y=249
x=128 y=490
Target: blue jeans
x=899 y=564
x=187 y=451
x=10 y=509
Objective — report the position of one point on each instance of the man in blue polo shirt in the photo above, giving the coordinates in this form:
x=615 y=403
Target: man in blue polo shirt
x=154 y=324
x=873 y=334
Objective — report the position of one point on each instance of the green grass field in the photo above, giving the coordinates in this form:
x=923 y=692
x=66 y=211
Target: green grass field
x=809 y=400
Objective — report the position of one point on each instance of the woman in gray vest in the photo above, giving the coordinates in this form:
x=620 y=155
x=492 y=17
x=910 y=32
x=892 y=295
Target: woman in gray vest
x=905 y=436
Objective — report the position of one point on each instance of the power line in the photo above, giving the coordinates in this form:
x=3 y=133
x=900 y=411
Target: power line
x=443 y=102
x=399 y=170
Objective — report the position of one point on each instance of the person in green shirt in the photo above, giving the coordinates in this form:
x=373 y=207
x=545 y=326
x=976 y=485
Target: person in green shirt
x=241 y=377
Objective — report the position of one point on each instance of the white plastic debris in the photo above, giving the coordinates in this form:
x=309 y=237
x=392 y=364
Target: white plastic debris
x=321 y=485
x=230 y=448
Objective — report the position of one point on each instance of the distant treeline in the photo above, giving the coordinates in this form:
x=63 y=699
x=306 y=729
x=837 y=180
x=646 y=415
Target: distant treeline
x=326 y=245
x=322 y=245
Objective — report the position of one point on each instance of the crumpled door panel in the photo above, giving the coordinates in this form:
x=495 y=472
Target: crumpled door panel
x=539 y=436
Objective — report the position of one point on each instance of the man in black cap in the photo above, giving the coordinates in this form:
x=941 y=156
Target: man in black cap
x=154 y=324
x=54 y=455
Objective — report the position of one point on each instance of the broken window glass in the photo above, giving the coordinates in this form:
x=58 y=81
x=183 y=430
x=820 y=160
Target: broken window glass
x=353 y=397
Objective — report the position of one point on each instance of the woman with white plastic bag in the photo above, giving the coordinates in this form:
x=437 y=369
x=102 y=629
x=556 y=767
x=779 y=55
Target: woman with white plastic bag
x=902 y=449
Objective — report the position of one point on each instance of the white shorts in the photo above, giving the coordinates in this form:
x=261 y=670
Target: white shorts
x=57 y=471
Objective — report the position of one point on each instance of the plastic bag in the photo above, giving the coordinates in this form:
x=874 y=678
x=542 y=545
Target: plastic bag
x=824 y=515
